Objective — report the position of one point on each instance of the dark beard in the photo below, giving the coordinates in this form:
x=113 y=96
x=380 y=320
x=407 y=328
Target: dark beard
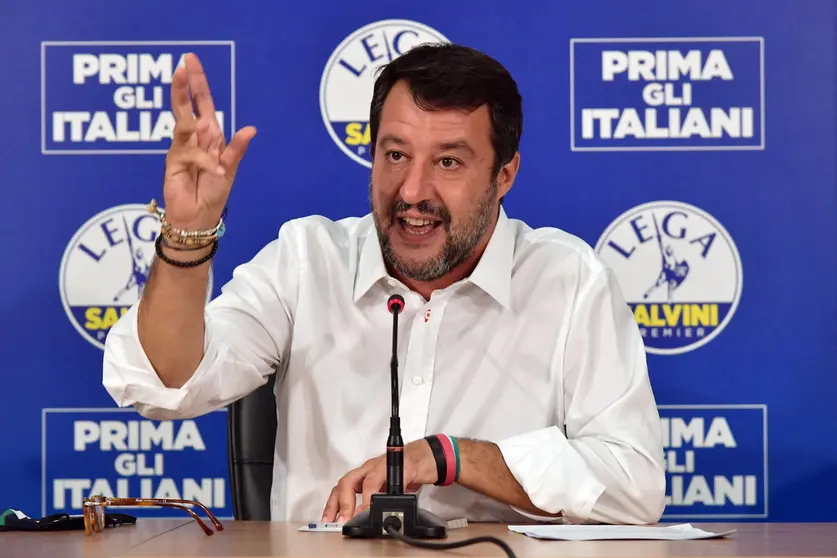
x=459 y=245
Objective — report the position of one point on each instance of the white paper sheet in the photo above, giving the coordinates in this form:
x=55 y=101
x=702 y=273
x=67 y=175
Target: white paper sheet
x=681 y=532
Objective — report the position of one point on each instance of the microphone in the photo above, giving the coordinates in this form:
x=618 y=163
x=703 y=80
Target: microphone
x=394 y=510
x=395 y=444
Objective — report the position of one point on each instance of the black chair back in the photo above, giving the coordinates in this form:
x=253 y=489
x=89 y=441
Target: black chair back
x=251 y=436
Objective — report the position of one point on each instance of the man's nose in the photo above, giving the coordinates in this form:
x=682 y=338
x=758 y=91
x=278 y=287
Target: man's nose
x=417 y=185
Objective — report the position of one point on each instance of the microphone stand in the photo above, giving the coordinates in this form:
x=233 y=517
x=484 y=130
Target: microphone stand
x=394 y=509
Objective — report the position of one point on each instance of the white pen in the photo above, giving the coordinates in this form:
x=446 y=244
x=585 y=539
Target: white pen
x=324 y=525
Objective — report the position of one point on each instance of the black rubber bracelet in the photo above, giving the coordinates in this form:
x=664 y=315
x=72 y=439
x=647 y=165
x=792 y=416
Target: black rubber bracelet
x=441 y=461
x=177 y=263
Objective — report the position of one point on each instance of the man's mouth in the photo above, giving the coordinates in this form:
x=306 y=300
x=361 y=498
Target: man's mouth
x=417 y=227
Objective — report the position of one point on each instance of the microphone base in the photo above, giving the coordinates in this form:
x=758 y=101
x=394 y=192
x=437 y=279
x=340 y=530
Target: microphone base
x=415 y=522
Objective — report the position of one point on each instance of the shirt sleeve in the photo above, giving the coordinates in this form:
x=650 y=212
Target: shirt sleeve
x=246 y=335
x=608 y=464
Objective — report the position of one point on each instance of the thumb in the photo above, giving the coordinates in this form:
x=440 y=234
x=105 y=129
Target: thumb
x=233 y=153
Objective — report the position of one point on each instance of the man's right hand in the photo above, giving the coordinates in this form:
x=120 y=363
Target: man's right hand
x=200 y=166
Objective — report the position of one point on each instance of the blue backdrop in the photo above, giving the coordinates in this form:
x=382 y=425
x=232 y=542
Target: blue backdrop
x=692 y=144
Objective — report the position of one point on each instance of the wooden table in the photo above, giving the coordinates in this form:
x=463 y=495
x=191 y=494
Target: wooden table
x=183 y=539
x=75 y=544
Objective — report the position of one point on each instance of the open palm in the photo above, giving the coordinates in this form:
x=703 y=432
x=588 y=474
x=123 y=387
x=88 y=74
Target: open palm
x=200 y=165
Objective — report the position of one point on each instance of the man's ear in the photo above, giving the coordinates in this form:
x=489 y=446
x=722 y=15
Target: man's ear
x=507 y=174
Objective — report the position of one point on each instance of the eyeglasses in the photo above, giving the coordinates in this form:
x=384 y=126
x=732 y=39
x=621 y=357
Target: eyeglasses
x=94 y=511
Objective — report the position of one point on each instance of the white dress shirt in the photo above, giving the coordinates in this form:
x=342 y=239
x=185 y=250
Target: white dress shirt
x=536 y=351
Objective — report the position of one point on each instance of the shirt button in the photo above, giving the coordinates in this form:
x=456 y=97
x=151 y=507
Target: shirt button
x=417 y=380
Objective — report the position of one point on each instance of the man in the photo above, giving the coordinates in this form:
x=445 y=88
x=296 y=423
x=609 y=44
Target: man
x=516 y=346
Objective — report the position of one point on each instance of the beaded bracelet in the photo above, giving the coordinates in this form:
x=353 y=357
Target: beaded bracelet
x=446 y=453
x=179 y=263
x=188 y=238
x=171 y=245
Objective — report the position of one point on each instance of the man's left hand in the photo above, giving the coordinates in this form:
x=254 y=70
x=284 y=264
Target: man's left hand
x=371 y=477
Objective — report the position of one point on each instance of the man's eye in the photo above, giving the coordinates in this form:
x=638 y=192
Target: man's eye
x=449 y=162
x=395 y=155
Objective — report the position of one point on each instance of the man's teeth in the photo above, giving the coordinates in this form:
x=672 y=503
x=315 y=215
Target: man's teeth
x=417 y=222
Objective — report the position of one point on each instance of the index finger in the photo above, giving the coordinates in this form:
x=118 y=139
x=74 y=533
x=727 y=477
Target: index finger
x=330 y=510
x=204 y=105
x=181 y=104
x=347 y=490
x=374 y=482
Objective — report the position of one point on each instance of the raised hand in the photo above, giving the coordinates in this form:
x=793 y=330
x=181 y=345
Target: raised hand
x=200 y=165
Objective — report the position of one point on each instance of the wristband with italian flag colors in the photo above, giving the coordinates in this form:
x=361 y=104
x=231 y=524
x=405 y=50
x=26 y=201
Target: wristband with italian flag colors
x=446 y=452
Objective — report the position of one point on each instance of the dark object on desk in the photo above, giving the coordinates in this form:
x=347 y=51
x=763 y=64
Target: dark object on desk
x=251 y=436
x=395 y=511
x=61 y=522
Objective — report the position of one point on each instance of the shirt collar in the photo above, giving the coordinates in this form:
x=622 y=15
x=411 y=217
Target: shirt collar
x=370 y=266
x=492 y=274
x=494 y=270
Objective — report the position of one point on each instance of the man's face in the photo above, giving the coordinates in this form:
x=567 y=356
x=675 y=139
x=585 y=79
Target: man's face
x=431 y=190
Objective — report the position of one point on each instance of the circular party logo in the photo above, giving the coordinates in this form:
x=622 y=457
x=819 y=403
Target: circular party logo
x=105 y=268
x=678 y=269
x=349 y=78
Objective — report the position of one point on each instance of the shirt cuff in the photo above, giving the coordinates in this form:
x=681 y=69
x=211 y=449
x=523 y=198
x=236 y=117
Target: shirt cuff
x=129 y=377
x=554 y=476
x=541 y=518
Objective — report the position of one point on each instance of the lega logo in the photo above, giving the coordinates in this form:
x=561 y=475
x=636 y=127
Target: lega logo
x=105 y=268
x=678 y=269
x=349 y=78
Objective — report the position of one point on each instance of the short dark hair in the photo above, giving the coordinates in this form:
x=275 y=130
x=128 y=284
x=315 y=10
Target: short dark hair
x=450 y=76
